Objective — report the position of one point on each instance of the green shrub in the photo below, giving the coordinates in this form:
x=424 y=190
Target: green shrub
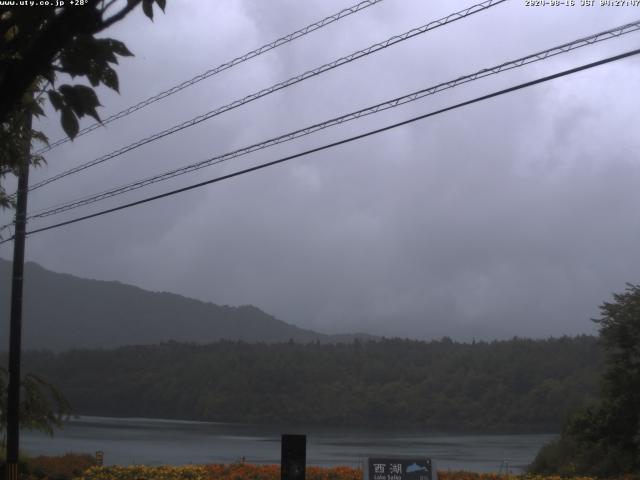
x=64 y=467
x=568 y=457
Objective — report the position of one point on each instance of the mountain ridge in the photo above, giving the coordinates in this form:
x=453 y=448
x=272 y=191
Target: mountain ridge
x=63 y=311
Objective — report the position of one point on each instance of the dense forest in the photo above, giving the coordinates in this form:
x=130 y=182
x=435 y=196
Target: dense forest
x=515 y=385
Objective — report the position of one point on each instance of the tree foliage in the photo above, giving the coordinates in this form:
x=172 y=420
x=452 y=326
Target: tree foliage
x=15 y=136
x=515 y=385
x=42 y=406
x=604 y=438
x=39 y=43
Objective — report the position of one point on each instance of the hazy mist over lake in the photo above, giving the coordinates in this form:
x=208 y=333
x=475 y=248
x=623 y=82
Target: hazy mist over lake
x=154 y=442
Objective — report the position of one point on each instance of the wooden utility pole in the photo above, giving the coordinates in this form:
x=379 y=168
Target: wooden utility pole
x=15 y=328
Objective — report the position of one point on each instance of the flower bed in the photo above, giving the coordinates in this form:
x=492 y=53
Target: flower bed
x=266 y=472
x=82 y=467
x=214 y=472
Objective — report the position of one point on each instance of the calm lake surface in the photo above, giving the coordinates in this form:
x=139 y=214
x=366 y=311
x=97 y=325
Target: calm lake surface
x=154 y=442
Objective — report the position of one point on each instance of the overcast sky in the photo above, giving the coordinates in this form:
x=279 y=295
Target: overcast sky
x=515 y=216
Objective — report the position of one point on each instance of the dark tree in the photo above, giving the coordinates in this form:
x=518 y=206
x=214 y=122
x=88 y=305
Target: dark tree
x=36 y=43
x=604 y=438
x=42 y=407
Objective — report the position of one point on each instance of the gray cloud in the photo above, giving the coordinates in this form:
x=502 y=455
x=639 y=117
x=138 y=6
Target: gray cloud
x=517 y=216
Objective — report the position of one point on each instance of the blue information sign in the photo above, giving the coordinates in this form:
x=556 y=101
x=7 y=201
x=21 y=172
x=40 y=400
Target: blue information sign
x=400 y=469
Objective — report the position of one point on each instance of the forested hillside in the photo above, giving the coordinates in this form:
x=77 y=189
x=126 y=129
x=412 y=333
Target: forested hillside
x=516 y=385
x=63 y=311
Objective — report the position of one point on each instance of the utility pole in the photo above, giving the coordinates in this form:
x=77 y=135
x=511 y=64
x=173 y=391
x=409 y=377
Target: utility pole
x=15 y=328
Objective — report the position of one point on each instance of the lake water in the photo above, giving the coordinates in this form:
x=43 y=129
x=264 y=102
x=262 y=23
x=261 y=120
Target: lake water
x=154 y=442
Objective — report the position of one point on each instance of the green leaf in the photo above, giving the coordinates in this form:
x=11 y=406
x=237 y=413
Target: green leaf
x=86 y=55
x=103 y=52
x=93 y=113
x=75 y=57
x=56 y=99
x=39 y=136
x=94 y=77
x=110 y=79
x=11 y=33
x=82 y=100
x=36 y=110
x=69 y=122
x=147 y=8
x=119 y=47
x=49 y=75
x=38 y=160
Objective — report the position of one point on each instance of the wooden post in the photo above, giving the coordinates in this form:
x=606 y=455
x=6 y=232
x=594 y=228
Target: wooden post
x=293 y=459
x=15 y=327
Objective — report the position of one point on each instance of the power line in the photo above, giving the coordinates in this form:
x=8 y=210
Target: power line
x=279 y=86
x=220 y=68
x=341 y=142
x=393 y=103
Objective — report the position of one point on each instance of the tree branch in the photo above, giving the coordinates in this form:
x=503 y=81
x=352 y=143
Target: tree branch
x=107 y=6
x=121 y=14
x=57 y=33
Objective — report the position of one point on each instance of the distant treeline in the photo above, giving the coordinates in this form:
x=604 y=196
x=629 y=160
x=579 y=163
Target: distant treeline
x=515 y=385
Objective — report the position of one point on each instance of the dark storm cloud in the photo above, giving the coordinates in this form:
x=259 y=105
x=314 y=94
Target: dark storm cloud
x=516 y=216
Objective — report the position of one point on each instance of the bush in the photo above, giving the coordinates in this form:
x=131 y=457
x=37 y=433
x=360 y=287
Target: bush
x=567 y=457
x=64 y=467
x=552 y=459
